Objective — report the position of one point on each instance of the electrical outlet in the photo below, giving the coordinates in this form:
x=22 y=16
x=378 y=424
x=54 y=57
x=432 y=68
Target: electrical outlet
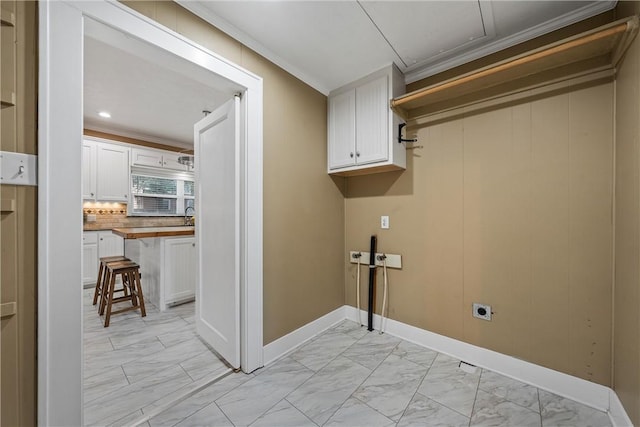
x=384 y=222
x=482 y=311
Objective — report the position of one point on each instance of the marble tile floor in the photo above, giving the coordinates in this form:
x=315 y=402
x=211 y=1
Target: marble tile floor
x=350 y=377
x=141 y=363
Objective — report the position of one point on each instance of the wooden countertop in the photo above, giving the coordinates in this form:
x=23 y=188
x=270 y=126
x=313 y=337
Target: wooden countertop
x=144 y=232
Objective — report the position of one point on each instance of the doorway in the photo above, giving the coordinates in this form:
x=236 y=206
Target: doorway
x=60 y=118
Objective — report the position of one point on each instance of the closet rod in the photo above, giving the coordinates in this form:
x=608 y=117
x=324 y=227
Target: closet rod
x=628 y=25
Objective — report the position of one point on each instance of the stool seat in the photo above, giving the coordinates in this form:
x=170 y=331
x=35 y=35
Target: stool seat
x=101 y=276
x=130 y=273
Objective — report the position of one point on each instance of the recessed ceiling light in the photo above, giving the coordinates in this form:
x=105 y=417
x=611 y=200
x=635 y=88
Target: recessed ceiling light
x=104 y=114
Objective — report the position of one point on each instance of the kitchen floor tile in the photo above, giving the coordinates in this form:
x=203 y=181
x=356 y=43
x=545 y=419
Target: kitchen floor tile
x=137 y=362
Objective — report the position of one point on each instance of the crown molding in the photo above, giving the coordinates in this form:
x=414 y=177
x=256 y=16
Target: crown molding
x=225 y=26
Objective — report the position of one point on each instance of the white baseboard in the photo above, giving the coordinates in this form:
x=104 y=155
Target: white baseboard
x=285 y=344
x=588 y=393
x=591 y=394
x=617 y=414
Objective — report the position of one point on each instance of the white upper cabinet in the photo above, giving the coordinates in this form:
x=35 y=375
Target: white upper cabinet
x=106 y=168
x=342 y=129
x=372 y=124
x=170 y=161
x=158 y=159
x=363 y=131
x=142 y=157
x=89 y=170
x=112 y=177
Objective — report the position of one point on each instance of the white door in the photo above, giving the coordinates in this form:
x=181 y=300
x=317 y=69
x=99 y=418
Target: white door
x=217 y=156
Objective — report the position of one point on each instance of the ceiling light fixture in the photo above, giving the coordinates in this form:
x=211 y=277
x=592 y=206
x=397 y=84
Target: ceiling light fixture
x=104 y=114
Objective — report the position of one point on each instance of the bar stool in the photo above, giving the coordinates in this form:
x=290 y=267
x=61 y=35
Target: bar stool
x=102 y=274
x=130 y=273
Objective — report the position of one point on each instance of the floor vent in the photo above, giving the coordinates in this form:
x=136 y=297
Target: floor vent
x=468 y=367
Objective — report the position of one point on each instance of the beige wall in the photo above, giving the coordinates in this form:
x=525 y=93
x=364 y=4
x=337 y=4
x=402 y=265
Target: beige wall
x=303 y=207
x=626 y=362
x=512 y=208
x=18 y=239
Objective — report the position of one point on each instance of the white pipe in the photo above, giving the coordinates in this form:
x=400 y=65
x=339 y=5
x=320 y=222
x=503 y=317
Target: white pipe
x=385 y=291
x=358 y=289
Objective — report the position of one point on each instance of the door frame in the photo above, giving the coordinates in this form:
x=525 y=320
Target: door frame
x=60 y=127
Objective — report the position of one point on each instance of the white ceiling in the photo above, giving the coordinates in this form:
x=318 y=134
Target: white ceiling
x=155 y=96
x=330 y=43
x=151 y=94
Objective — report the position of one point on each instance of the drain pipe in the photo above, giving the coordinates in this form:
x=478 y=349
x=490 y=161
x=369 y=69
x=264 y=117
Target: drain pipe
x=372 y=280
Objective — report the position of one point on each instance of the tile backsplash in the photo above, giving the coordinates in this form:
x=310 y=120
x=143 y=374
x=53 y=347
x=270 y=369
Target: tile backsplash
x=114 y=215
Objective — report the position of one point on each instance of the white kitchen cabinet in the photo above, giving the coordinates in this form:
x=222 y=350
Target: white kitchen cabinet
x=110 y=244
x=144 y=157
x=170 y=161
x=158 y=159
x=95 y=245
x=363 y=131
x=89 y=151
x=112 y=173
x=179 y=269
x=89 y=257
x=168 y=267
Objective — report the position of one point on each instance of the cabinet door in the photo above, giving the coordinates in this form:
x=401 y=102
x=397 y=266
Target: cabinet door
x=113 y=173
x=170 y=161
x=179 y=269
x=89 y=258
x=88 y=171
x=142 y=157
x=342 y=130
x=110 y=244
x=372 y=121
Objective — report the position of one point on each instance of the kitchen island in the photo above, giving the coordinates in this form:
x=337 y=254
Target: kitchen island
x=167 y=259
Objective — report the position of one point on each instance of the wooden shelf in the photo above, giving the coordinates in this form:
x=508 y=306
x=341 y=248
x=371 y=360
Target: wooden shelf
x=7 y=18
x=596 y=49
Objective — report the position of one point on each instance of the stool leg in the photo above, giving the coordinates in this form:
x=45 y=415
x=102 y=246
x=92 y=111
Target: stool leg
x=112 y=283
x=131 y=284
x=98 y=284
x=106 y=280
x=136 y=275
